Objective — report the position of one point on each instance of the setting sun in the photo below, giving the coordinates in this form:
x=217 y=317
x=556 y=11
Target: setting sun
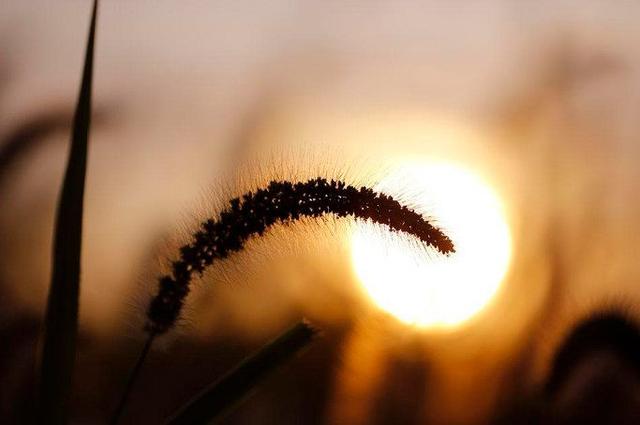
x=418 y=285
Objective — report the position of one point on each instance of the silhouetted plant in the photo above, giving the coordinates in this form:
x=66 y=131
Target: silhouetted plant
x=254 y=213
x=280 y=202
x=61 y=321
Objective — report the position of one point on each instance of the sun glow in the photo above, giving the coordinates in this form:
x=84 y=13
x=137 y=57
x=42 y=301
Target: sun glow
x=419 y=285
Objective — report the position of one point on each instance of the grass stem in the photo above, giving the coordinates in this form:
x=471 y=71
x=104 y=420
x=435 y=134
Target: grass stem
x=117 y=415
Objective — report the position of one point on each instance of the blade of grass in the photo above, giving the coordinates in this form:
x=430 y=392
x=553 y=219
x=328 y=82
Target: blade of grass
x=231 y=389
x=61 y=320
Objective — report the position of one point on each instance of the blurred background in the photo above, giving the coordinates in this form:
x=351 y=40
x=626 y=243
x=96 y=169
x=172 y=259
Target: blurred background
x=197 y=100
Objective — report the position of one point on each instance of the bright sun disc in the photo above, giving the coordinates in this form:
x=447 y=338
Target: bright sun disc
x=418 y=285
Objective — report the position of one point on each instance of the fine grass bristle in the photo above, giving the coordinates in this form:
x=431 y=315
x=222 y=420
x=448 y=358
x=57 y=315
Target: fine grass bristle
x=61 y=320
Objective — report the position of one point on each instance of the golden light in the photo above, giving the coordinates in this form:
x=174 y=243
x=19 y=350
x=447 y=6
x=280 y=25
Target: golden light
x=418 y=285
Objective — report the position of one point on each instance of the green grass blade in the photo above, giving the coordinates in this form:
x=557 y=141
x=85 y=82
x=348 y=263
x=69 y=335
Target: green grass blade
x=61 y=320
x=234 y=387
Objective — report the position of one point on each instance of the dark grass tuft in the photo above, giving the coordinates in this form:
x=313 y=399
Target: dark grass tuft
x=281 y=202
x=608 y=331
x=61 y=321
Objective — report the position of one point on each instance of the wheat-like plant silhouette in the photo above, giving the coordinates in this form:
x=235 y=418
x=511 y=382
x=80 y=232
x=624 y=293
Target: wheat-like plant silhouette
x=253 y=214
